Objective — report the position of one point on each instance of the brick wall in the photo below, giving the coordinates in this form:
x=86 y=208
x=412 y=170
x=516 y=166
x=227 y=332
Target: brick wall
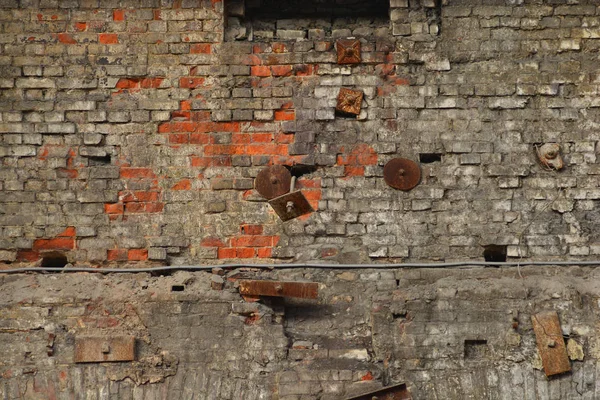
x=132 y=132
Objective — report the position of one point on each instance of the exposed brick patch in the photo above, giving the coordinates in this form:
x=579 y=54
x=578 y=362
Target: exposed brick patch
x=354 y=162
x=108 y=38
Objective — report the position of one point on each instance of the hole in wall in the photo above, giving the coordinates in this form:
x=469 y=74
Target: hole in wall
x=494 y=253
x=301 y=169
x=177 y=288
x=428 y=158
x=476 y=349
x=54 y=260
x=95 y=161
x=261 y=9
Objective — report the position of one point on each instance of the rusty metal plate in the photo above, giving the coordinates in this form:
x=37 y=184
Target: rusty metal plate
x=550 y=343
x=291 y=205
x=349 y=101
x=104 y=349
x=396 y=392
x=303 y=290
x=401 y=173
x=273 y=181
x=549 y=156
x=348 y=51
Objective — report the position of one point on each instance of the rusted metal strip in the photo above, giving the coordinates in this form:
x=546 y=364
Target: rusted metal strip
x=305 y=290
x=550 y=343
x=104 y=349
x=396 y=392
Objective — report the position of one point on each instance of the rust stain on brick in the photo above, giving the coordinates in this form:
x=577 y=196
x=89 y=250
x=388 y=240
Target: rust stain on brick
x=104 y=349
x=550 y=343
x=304 y=290
x=396 y=392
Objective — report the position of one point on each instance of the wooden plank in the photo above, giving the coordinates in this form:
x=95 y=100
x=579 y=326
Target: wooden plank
x=304 y=290
x=550 y=343
x=104 y=349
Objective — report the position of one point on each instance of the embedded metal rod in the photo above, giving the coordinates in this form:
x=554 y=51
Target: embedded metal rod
x=305 y=265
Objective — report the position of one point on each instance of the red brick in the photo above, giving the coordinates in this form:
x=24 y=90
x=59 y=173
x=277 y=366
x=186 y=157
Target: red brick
x=184 y=184
x=179 y=138
x=201 y=48
x=259 y=70
x=137 y=254
x=116 y=208
x=264 y=252
x=200 y=138
x=27 y=255
x=54 y=244
x=108 y=38
x=116 y=255
x=226 y=252
x=154 y=207
x=249 y=229
x=262 y=137
x=252 y=241
x=282 y=70
x=212 y=242
x=128 y=83
x=285 y=115
x=136 y=173
x=66 y=38
x=69 y=232
x=151 y=83
x=244 y=252
x=80 y=26
x=191 y=83
x=118 y=15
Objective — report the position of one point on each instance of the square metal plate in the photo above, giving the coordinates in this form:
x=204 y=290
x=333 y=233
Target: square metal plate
x=550 y=343
x=104 y=349
x=291 y=205
x=349 y=101
x=348 y=51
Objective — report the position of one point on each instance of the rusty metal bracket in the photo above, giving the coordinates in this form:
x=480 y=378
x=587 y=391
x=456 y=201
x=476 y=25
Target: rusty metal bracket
x=401 y=173
x=291 y=205
x=396 y=392
x=349 y=101
x=273 y=181
x=104 y=349
x=348 y=51
x=303 y=290
x=550 y=343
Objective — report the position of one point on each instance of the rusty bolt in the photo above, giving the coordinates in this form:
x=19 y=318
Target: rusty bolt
x=289 y=206
x=279 y=288
x=551 y=343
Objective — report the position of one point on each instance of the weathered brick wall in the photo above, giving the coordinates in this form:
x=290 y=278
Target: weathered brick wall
x=132 y=131
x=449 y=334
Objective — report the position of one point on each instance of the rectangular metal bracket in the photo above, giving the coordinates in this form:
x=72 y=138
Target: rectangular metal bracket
x=304 y=290
x=291 y=205
x=104 y=349
x=550 y=343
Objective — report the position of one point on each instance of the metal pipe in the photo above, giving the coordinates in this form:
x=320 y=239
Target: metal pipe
x=305 y=265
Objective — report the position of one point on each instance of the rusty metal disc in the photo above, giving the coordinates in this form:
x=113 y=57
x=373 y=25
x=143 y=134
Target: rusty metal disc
x=401 y=173
x=273 y=181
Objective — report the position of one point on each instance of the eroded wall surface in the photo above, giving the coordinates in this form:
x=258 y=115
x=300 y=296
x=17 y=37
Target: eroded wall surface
x=448 y=334
x=132 y=131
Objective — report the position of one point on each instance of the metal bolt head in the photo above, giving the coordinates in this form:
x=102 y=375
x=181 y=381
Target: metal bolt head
x=551 y=343
x=289 y=206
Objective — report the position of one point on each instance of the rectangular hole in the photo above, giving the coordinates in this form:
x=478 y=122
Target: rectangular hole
x=428 y=158
x=316 y=8
x=177 y=288
x=495 y=253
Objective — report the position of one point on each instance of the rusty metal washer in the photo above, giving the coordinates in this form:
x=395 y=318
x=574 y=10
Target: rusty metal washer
x=273 y=181
x=401 y=173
